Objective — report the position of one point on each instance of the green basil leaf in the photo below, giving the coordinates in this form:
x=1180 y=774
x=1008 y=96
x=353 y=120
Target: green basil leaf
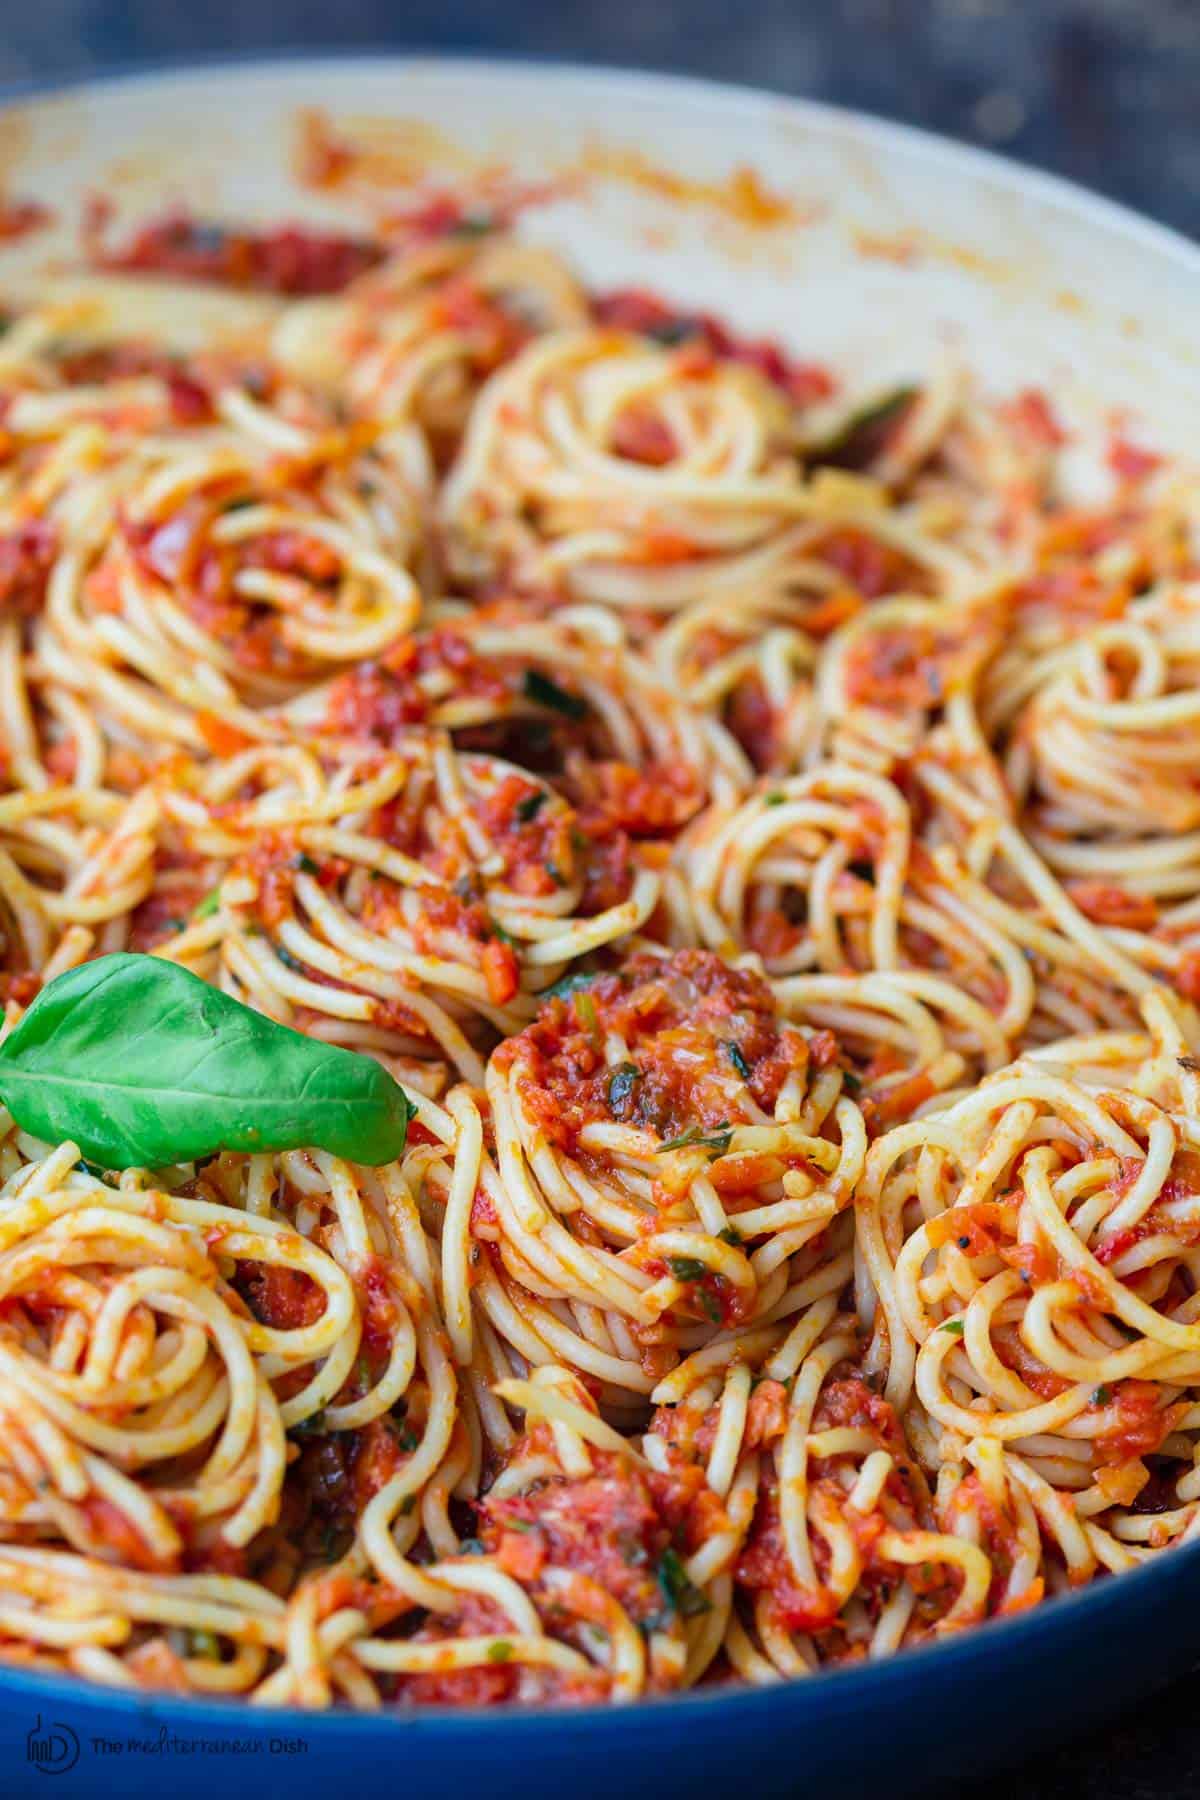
x=860 y=438
x=545 y=692
x=313 y=1426
x=568 y=984
x=678 y=1589
x=473 y=225
x=585 y=1011
x=530 y=805
x=717 y=1141
x=141 y=1064
x=671 y=331
x=621 y=1084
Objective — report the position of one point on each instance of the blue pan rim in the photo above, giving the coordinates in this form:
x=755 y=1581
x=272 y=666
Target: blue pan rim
x=853 y=1686
x=988 y=1642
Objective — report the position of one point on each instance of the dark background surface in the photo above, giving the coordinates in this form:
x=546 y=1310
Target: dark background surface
x=1105 y=91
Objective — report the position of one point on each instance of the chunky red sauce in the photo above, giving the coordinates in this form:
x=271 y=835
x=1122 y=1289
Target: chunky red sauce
x=639 y=310
x=27 y=554
x=288 y=259
x=18 y=218
x=689 y=1021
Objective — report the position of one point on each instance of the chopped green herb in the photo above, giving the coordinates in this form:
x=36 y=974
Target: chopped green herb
x=731 y=1235
x=863 y=435
x=305 y=864
x=498 y=931
x=585 y=1012
x=289 y=961
x=408 y=1505
x=531 y=805
x=544 y=692
x=717 y=1141
x=568 y=984
x=313 y=1426
x=522 y=1525
x=708 y=1306
x=335 y=1541
x=953 y=1326
x=737 y=1059
x=620 y=1088
x=500 y=1651
x=1101 y=1395
x=678 y=1589
x=673 y=331
x=205 y=1644
x=775 y=798
x=208 y=906
x=851 y=1082
x=687 y=1268
x=409 y=1439
x=555 y=873
x=472 y=225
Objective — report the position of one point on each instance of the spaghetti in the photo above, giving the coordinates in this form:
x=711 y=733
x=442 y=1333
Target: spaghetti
x=761 y=834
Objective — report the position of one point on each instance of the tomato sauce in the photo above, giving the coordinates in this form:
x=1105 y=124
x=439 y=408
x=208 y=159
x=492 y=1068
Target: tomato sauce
x=1033 y=419
x=638 y=310
x=1106 y=903
x=188 y=394
x=118 y=1540
x=288 y=259
x=27 y=554
x=18 y=218
x=377 y=700
x=904 y=665
x=1141 y=1425
x=613 y=1526
x=871 y=567
x=279 y=1297
x=678 y=1015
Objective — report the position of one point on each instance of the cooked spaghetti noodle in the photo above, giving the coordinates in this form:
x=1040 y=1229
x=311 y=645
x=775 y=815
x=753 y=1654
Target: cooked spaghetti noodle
x=762 y=835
